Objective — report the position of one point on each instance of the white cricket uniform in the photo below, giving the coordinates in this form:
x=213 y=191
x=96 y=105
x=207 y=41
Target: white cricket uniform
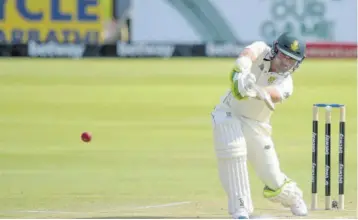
x=242 y=128
x=253 y=108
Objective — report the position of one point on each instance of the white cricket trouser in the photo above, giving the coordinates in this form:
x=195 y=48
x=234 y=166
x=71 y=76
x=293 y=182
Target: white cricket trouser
x=236 y=138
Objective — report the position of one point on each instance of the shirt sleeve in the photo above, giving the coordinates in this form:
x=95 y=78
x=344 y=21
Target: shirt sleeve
x=258 y=47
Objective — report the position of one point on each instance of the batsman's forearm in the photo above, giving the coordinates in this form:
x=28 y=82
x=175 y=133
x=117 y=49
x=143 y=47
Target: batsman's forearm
x=274 y=93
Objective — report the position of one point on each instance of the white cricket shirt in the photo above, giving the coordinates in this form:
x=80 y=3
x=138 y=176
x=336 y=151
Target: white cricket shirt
x=253 y=108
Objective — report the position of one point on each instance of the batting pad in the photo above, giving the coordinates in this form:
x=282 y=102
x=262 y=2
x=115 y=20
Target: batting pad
x=287 y=195
x=231 y=153
x=234 y=178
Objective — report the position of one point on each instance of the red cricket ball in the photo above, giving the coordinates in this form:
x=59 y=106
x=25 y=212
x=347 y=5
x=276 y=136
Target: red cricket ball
x=86 y=136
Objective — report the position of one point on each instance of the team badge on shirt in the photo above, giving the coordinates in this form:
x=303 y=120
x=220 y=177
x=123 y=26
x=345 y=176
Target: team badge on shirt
x=271 y=79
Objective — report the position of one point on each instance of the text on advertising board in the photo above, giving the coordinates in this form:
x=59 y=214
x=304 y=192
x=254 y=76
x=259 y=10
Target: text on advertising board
x=63 y=21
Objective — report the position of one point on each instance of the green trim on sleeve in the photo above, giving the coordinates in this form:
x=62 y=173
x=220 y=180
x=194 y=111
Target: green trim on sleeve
x=234 y=87
x=233 y=72
x=235 y=91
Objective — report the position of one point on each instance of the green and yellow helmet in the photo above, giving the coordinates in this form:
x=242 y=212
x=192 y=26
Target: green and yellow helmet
x=290 y=46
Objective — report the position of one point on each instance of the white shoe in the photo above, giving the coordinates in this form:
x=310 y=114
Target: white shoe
x=299 y=208
x=290 y=196
x=241 y=214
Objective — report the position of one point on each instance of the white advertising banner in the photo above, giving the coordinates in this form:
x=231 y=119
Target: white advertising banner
x=242 y=21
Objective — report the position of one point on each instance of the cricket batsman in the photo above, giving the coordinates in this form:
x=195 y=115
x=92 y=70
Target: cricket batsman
x=261 y=78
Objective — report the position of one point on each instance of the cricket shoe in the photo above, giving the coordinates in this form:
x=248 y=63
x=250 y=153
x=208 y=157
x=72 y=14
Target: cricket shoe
x=299 y=208
x=290 y=196
x=241 y=214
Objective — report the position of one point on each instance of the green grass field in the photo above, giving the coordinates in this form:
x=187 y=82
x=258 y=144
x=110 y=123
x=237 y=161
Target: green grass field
x=151 y=153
